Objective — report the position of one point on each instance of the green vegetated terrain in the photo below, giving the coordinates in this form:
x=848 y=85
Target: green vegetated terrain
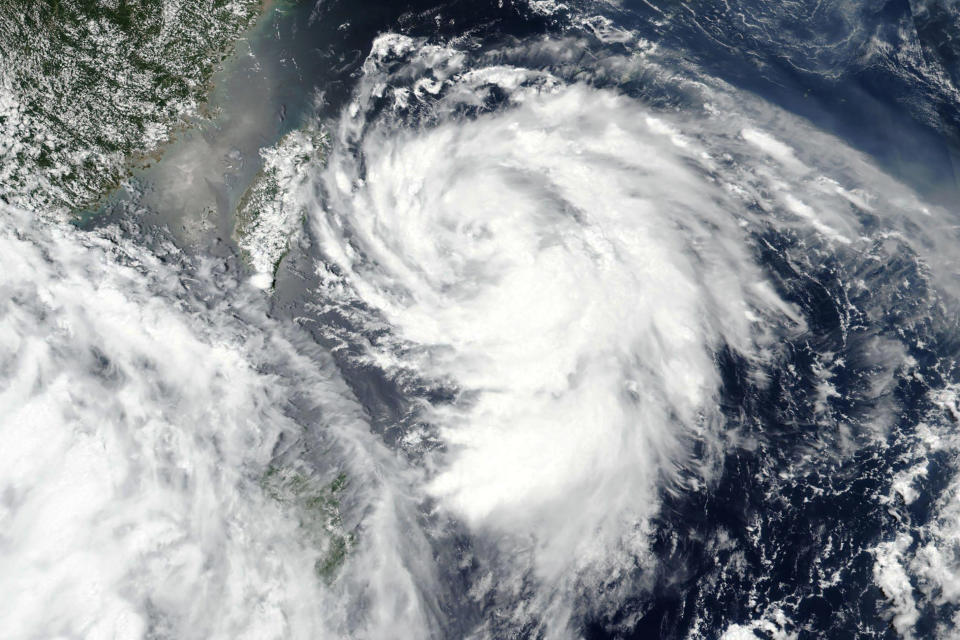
x=273 y=206
x=89 y=86
x=317 y=507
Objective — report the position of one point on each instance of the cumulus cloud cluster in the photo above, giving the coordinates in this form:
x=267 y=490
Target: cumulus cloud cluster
x=142 y=411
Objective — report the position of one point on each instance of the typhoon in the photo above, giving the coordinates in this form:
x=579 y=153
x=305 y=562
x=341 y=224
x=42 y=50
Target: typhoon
x=481 y=320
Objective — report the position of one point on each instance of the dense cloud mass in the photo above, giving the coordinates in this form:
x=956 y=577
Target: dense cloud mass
x=155 y=480
x=133 y=427
x=541 y=326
